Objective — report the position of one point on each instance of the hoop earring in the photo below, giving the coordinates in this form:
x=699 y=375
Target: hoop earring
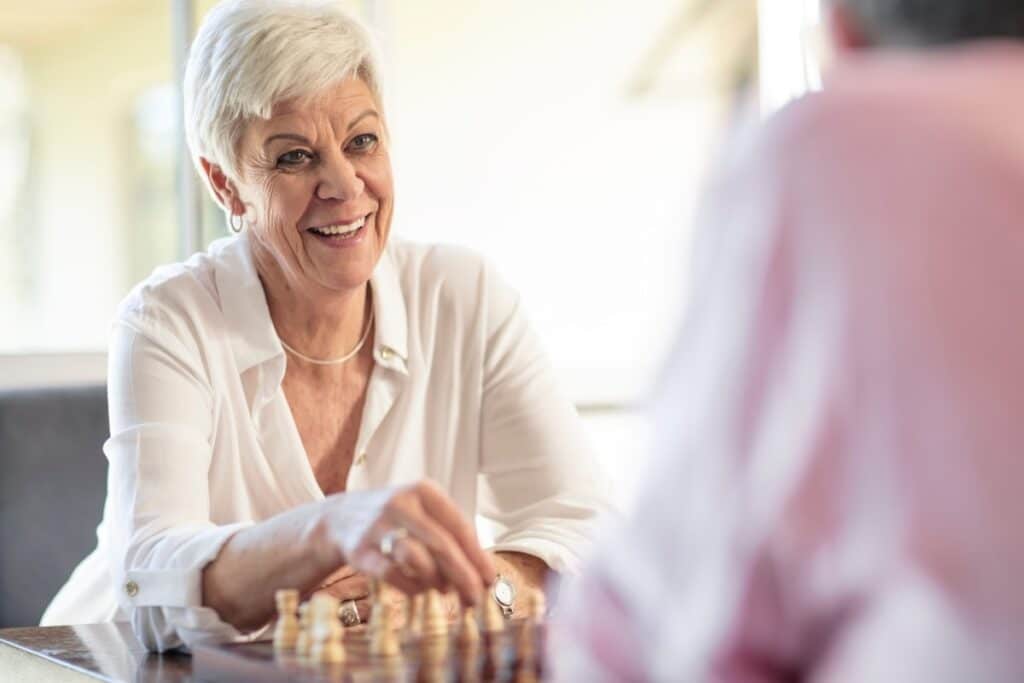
x=231 y=222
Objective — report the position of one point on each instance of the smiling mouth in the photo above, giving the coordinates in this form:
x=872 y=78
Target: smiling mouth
x=340 y=231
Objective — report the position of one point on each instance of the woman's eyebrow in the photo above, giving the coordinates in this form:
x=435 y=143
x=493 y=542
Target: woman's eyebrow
x=299 y=138
x=286 y=136
x=368 y=112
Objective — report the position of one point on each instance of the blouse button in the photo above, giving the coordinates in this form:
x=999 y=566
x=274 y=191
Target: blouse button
x=131 y=588
x=386 y=353
x=361 y=460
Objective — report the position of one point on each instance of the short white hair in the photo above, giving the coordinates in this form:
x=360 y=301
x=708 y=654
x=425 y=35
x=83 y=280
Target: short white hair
x=249 y=55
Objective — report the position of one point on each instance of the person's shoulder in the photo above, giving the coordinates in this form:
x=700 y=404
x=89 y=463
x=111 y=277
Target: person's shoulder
x=176 y=292
x=447 y=276
x=448 y=267
x=883 y=97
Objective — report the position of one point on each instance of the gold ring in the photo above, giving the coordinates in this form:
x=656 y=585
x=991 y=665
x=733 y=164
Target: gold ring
x=349 y=614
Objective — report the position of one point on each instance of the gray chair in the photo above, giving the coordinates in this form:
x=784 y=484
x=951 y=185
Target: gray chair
x=53 y=480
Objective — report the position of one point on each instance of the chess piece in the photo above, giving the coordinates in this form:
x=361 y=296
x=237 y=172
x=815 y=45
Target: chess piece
x=433 y=644
x=492 y=659
x=469 y=664
x=469 y=632
x=326 y=630
x=535 y=607
x=527 y=657
x=494 y=620
x=469 y=646
x=303 y=641
x=383 y=642
x=415 y=621
x=435 y=621
x=494 y=637
x=286 y=631
x=433 y=653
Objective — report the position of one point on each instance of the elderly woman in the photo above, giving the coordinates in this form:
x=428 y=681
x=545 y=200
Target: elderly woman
x=310 y=403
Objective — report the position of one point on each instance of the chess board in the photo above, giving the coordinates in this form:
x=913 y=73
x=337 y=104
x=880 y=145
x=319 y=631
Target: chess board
x=495 y=658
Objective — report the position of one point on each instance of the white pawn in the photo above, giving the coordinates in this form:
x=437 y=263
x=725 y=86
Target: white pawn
x=526 y=648
x=304 y=641
x=286 y=631
x=534 y=607
x=469 y=632
x=435 y=621
x=326 y=634
x=494 y=620
x=415 y=622
x=383 y=642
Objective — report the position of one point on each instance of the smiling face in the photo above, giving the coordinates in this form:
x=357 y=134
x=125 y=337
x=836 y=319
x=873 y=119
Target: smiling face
x=317 y=189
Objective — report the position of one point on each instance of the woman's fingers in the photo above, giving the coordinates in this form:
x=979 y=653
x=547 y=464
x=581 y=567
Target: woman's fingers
x=342 y=572
x=438 y=548
x=403 y=582
x=353 y=587
x=455 y=568
x=412 y=559
x=439 y=506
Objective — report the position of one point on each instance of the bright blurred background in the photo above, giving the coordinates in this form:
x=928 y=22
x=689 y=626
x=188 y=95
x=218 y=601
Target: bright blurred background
x=567 y=140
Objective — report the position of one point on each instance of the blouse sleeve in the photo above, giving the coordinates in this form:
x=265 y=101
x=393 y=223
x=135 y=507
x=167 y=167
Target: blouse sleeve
x=541 y=483
x=161 y=419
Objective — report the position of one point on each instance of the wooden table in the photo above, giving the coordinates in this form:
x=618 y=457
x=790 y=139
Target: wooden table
x=107 y=652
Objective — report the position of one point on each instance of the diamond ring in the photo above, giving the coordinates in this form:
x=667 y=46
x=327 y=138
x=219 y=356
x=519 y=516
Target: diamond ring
x=390 y=539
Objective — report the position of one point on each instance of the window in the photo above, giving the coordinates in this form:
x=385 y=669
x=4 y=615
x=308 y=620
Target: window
x=518 y=134
x=85 y=198
x=792 y=50
x=564 y=140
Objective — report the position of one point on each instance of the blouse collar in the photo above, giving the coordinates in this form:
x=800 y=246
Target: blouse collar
x=254 y=341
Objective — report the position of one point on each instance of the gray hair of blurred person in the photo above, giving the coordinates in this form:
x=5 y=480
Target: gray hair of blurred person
x=922 y=23
x=249 y=55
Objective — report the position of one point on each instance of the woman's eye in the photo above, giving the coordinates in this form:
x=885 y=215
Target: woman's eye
x=361 y=143
x=294 y=157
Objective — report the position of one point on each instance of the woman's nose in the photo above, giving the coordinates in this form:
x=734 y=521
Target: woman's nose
x=339 y=179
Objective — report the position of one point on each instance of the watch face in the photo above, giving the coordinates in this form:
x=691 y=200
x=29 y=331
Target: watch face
x=504 y=592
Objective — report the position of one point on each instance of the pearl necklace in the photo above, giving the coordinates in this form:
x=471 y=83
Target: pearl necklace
x=333 y=361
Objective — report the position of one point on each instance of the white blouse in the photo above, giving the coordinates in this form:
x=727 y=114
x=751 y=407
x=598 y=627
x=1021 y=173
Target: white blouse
x=203 y=442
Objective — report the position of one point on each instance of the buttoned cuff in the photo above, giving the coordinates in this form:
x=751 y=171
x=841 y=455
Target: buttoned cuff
x=180 y=582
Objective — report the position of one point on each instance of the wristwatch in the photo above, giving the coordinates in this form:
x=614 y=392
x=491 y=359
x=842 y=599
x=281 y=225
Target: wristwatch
x=504 y=595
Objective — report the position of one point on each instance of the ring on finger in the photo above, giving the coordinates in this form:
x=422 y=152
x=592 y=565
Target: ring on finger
x=349 y=613
x=390 y=539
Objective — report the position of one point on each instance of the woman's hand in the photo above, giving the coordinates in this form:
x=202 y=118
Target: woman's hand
x=432 y=544
x=526 y=572
x=347 y=584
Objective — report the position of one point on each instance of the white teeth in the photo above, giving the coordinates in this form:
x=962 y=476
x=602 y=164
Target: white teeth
x=343 y=230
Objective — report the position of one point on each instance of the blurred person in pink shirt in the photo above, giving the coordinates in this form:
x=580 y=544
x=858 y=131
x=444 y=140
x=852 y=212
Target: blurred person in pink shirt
x=837 y=489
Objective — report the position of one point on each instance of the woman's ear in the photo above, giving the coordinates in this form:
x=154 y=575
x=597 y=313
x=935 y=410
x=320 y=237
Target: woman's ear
x=222 y=187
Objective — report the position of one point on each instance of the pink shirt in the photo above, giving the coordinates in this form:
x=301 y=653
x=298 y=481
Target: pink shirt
x=837 y=492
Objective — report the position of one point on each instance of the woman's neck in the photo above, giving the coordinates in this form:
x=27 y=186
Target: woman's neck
x=317 y=322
